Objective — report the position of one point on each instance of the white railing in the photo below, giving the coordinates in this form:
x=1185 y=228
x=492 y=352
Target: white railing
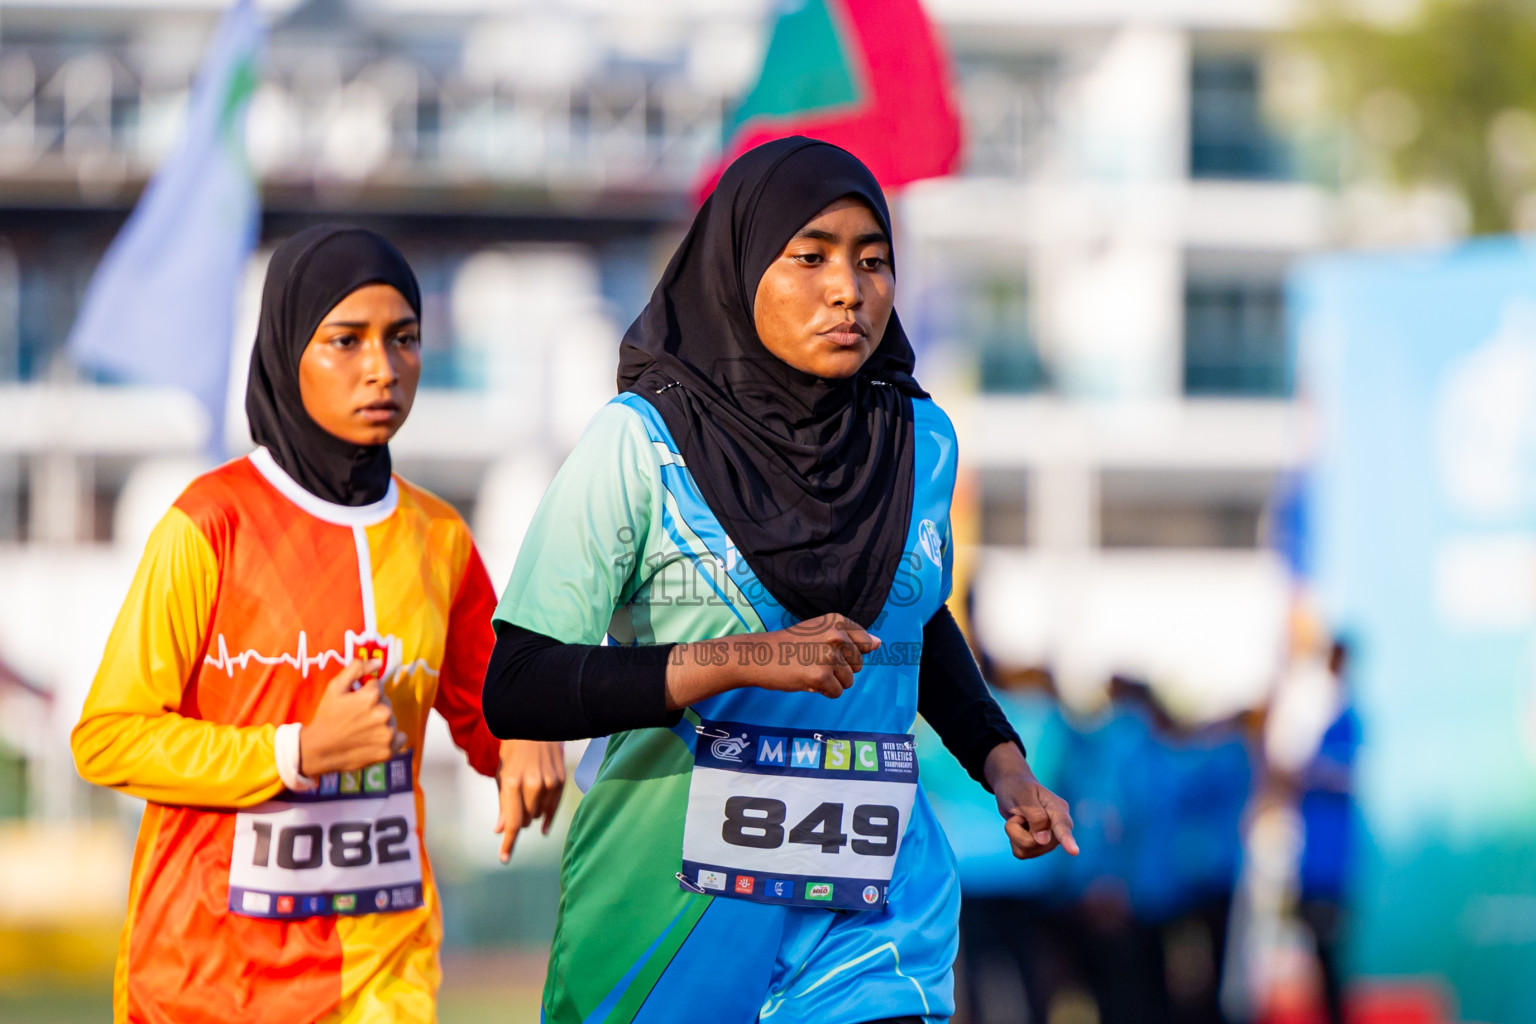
x=332 y=116
x=377 y=118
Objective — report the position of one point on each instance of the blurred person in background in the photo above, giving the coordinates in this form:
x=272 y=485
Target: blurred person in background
x=1108 y=949
x=770 y=481
x=1183 y=804
x=1311 y=736
x=1187 y=871
x=280 y=873
x=1326 y=798
x=1137 y=924
x=1010 y=909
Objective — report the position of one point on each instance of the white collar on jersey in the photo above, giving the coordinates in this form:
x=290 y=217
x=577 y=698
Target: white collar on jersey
x=341 y=515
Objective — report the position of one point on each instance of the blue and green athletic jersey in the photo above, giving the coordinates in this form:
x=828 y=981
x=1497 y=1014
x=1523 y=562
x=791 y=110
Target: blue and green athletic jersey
x=623 y=546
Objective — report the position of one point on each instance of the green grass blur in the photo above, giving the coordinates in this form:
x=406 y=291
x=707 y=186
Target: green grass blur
x=483 y=987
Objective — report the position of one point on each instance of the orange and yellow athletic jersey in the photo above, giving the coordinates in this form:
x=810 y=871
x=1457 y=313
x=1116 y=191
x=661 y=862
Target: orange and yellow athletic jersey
x=251 y=595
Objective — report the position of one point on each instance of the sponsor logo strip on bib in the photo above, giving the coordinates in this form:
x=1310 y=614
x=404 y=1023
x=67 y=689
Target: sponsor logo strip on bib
x=349 y=846
x=797 y=817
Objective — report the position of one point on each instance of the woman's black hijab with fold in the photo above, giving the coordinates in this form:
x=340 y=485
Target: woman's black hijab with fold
x=308 y=275
x=811 y=478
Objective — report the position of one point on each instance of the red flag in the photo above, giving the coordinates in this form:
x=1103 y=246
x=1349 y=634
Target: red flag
x=867 y=75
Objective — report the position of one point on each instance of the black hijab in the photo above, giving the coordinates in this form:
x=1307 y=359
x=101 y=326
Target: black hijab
x=811 y=478
x=307 y=276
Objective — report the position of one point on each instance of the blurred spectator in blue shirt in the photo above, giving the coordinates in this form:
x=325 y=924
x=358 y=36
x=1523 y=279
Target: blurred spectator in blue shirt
x=1137 y=922
x=1112 y=770
x=1189 y=874
x=1326 y=788
x=1009 y=905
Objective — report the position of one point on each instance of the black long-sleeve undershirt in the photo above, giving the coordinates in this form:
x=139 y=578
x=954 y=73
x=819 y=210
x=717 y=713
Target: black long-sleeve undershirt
x=955 y=699
x=538 y=688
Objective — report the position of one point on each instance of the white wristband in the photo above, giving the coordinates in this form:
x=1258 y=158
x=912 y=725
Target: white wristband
x=286 y=749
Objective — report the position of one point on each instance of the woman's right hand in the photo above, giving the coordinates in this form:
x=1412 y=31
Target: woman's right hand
x=819 y=655
x=351 y=729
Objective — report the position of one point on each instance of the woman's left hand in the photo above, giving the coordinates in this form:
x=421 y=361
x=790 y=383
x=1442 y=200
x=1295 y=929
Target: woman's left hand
x=1038 y=820
x=531 y=778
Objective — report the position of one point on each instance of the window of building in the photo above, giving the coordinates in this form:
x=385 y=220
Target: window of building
x=1228 y=132
x=106 y=478
x=1007 y=104
x=999 y=319
x=42 y=289
x=1005 y=507
x=991 y=317
x=978 y=306
x=10 y=313
x=15 y=498
x=443 y=363
x=1179 y=509
x=1235 y=341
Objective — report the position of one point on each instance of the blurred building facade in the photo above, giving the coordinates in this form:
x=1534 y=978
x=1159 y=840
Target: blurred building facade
x=1111 y=265
x=1097 y=297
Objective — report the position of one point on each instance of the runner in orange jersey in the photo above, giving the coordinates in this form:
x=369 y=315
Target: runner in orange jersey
x=296 y=615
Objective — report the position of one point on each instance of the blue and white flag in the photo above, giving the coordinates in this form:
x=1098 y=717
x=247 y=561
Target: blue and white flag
x=161 y=306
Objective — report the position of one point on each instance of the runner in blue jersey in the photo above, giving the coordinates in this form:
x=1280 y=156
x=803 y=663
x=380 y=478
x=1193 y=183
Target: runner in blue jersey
x=759 y=526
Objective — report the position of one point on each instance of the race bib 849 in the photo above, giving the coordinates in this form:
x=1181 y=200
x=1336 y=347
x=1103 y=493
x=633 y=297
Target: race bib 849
x=795 y=817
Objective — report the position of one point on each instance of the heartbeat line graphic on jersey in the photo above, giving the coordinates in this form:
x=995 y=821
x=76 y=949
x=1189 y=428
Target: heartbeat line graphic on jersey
x=302 y=660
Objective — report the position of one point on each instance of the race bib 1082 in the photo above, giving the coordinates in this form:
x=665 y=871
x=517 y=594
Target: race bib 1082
x=797 y=818
x=347 y=847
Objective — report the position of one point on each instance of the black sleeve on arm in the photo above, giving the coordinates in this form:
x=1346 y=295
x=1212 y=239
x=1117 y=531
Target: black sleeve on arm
x=537 y=688
x=954 y=698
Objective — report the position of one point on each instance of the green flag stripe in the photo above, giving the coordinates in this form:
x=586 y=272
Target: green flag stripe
x=242 y=83
x=805 y=69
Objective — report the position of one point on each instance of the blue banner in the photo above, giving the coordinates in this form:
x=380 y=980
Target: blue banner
x=1421 y=369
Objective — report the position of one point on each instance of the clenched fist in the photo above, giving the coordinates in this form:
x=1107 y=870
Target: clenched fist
x=819 y=655
x=351 y=729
